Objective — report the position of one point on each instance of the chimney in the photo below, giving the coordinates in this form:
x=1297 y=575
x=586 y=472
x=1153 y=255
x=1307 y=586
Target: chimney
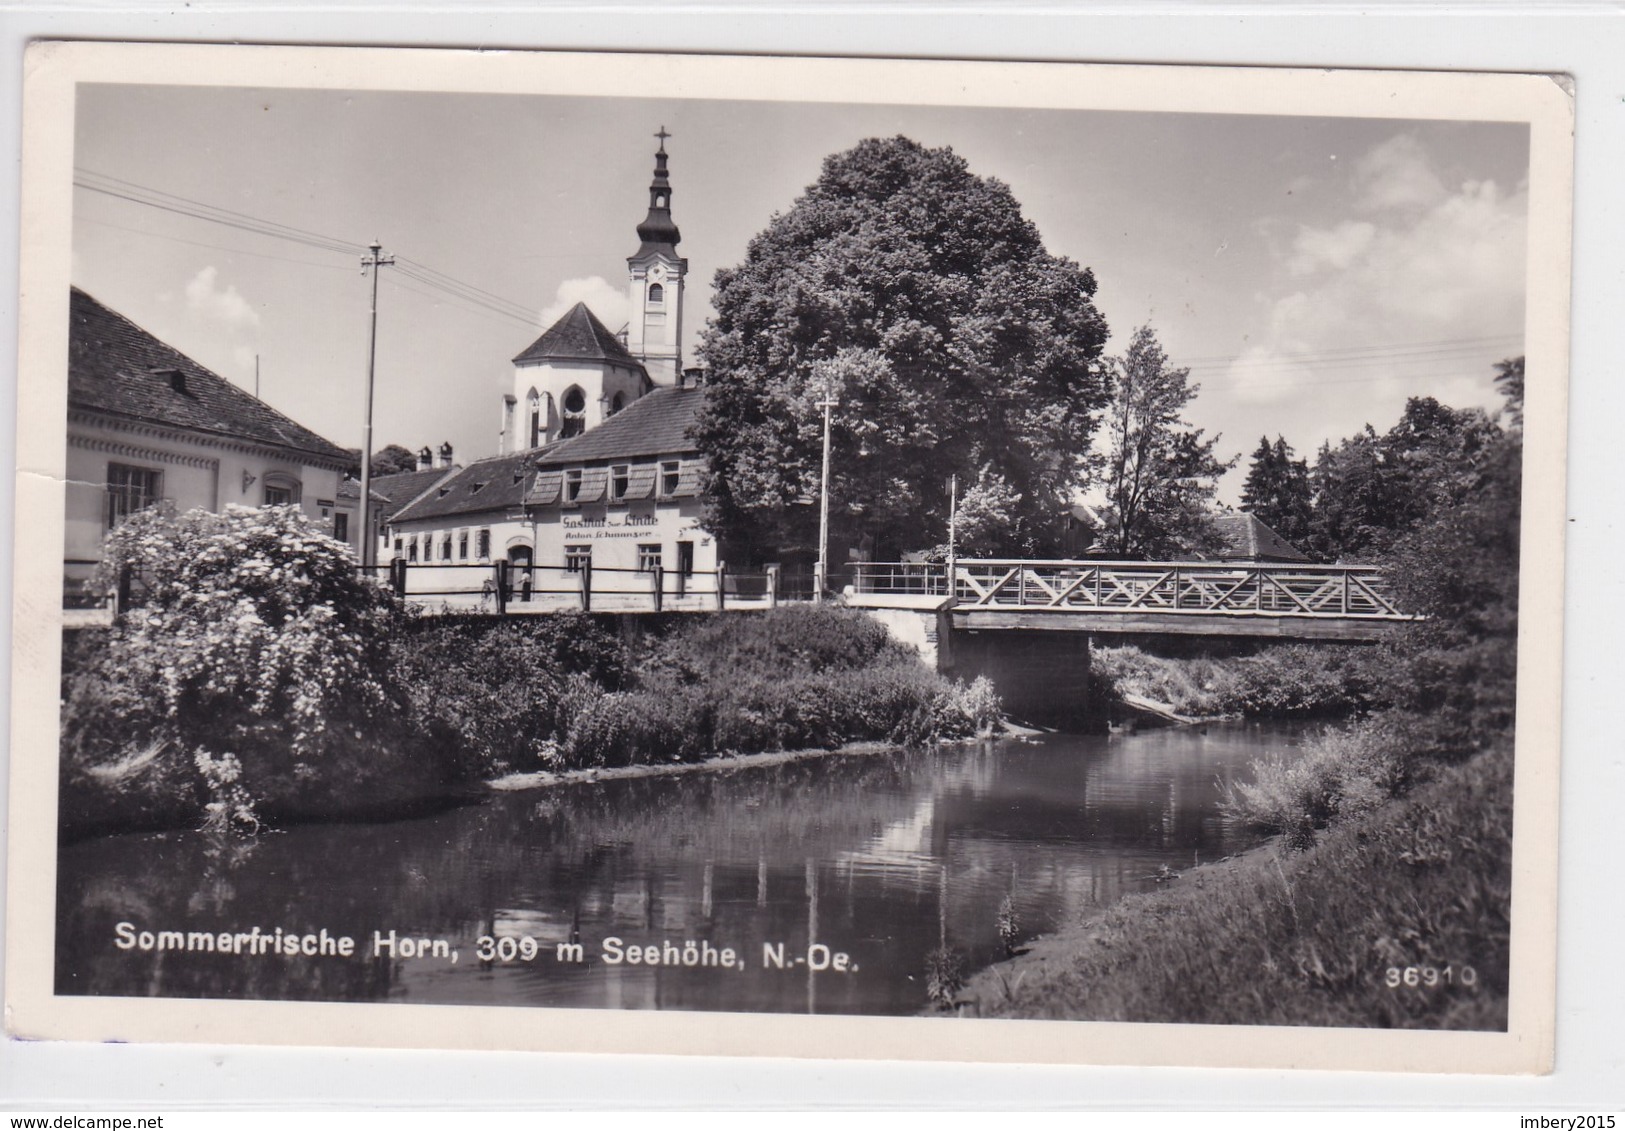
x=425 y=458
x=445 y=455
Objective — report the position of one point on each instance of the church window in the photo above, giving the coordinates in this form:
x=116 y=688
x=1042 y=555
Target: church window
x=572 y=485
x=535 y=427
x=462 y=545
x=657 y=294
x=620 y=478
x=577 y=558
x=129 y=489
x=575 y=412
x=617 y=403
x=669 y=474
x=648 y=557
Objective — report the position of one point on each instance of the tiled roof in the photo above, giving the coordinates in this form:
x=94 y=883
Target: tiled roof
x=494 y=484
x=657 y=423
x=116 y=367
x=578 y=336
x=402 y=487
x=1247 y=538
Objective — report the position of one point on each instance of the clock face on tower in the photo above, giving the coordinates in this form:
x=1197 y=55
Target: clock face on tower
x=657 y=273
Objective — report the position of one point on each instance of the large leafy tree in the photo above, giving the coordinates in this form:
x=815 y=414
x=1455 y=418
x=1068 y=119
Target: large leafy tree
x=1277 y=490
x=1371 y=489
x=1161 y=473
x=917 y=295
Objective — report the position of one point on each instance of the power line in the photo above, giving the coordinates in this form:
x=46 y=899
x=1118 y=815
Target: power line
x=1378 y=348
x=134 y=193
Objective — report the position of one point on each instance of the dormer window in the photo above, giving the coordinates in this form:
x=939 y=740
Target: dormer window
x=620 y=479
x=670 y=471
x=572 y=485
x=657 y=294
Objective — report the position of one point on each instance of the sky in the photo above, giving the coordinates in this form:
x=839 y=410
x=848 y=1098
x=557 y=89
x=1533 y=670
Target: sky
x=1311 y=272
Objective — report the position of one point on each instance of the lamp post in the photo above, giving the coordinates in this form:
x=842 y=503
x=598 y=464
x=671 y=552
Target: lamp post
x=953 y=524
x=821 y=573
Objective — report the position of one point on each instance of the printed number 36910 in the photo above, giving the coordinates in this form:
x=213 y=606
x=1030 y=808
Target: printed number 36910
x=1431 y=976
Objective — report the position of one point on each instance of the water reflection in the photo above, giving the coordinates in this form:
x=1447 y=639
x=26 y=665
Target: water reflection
x=880 y=858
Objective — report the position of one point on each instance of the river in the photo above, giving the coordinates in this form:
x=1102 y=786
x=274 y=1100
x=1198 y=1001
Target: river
x=831 y=881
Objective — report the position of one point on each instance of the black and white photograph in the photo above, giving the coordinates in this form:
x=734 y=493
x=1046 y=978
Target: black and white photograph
x=766 y=556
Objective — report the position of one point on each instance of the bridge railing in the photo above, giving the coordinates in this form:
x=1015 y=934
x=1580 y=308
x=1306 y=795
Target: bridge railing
x=1196 y=588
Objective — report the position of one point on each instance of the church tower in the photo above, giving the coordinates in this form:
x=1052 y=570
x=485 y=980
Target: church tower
x=654 y=333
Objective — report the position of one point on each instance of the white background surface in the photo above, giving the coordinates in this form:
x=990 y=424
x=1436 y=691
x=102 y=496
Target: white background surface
x=1586 y=43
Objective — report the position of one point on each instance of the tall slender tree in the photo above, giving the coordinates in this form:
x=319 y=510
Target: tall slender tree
x=1277 y=490
x=1161 y=474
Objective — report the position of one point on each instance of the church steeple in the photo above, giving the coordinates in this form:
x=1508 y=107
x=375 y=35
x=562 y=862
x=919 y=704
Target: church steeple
x=654 y=331
x=658 y=233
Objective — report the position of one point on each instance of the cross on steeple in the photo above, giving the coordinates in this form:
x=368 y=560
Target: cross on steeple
x=662 y=135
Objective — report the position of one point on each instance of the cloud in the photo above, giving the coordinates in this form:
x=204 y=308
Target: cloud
x=1416 y=262
x=206 y=299
x=603 y=298
x=1397 y=175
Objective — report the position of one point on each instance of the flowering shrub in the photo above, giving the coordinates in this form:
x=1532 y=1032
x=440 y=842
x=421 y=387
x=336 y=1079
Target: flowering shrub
x=255 y=642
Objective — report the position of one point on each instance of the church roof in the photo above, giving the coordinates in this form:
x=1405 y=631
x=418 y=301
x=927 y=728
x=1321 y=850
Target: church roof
x=1247 y=538
x=578 y=336
x=656 y=424
x=117 y=368
x=494 y=484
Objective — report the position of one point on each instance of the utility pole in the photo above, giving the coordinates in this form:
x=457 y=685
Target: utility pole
x=953 y=523
x=821 y=574
x=369 y=537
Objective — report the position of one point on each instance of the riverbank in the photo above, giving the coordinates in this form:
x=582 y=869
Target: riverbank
x=167 y=722
x=1316 y=937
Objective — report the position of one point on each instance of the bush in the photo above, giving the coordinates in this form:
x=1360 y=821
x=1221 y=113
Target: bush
x=496 y=692
x=256 y=642
x=1341 y=773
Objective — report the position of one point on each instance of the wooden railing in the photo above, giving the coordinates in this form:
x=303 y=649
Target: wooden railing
x=510 y=587
x=1195 y=588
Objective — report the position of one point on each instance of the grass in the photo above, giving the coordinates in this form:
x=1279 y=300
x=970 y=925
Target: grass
x=1278 y=681
x=1284 y=937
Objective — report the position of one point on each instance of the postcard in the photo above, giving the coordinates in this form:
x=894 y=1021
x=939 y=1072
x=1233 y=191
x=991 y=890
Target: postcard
x=789 y=556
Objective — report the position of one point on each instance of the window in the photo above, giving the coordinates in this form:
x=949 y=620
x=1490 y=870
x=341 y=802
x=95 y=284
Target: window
x=575 y=412
x=483 y=543
x=657 y=294
x=618 y=403
x=669 y=470
x=281 y=489
x=130 y=489
x=445 y=548
x=397 y=547
x=462 y=545
x=341 y=526
x=577 y=558
x=648 y=557
x=535 y=427
x=412 y=549
x=572 y=485
x=620 y=479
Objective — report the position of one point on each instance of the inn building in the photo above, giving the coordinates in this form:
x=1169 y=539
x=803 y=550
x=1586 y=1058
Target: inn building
x=597 y=479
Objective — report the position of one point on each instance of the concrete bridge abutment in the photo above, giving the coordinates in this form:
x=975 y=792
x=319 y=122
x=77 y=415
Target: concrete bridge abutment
x=1042 y=676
